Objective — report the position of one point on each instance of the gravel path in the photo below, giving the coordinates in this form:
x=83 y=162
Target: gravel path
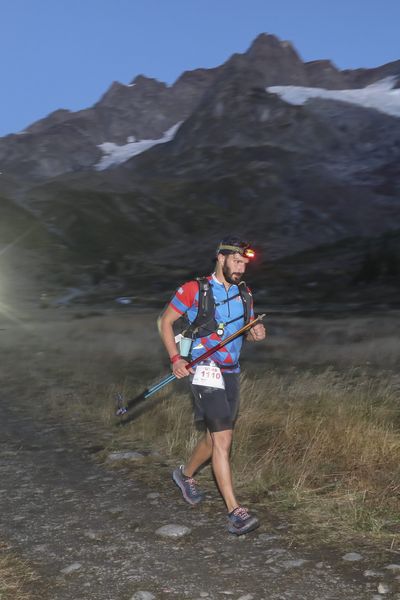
x=90 y=530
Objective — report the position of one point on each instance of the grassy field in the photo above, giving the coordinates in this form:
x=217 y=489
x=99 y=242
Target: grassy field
x=318 y=435
x=324 y=446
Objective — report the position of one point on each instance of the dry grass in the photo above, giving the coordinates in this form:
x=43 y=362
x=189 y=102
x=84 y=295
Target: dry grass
x=327 y=444
x=328 y=440
x=16 y=577
x=318 y=431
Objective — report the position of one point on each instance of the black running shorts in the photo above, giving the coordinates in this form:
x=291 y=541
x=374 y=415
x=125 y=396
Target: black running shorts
x=216 y=409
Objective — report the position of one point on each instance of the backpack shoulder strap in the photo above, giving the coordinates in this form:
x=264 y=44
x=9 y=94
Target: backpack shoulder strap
x=205 y=298
x=247 y=300
x=205 y=310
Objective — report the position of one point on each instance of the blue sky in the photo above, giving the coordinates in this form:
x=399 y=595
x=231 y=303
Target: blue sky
x=66 y=53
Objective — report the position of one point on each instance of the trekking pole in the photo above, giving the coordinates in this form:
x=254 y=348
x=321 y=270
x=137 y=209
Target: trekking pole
x=123 y=409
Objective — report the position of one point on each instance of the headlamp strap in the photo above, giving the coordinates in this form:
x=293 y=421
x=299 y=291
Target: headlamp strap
x=231 y=248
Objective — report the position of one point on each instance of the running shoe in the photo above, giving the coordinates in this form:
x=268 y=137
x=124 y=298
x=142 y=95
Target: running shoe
x=241 y=521
x=188 y=486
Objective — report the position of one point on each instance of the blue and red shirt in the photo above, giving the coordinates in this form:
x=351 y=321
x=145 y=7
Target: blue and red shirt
x=229 y=311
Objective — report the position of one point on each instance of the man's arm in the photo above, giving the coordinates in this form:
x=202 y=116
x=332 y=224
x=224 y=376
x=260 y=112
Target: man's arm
x=167 y=332
x=168 y=337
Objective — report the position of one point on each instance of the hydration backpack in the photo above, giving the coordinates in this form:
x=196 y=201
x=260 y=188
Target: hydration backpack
x=204 y=323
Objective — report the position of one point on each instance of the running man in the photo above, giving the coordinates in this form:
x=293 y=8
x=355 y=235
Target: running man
x=214 y=383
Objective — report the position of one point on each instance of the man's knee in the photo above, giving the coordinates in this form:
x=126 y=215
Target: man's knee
x=222 y=440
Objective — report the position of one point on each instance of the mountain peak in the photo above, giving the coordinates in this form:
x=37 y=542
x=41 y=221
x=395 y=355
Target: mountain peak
x=147 y=82
x=265 y=43
x=268 y=61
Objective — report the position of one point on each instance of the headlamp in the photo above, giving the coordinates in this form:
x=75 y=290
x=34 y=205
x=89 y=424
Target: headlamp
x=243 y=249
x=249 y=253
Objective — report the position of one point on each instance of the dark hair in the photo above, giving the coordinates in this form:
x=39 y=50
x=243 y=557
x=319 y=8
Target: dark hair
x=231 y=240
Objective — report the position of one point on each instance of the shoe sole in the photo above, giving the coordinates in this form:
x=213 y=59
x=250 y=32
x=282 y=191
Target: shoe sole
x=251 y=526
x=177 y=481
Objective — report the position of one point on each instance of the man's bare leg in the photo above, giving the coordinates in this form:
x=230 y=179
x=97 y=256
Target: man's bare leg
x=222 y=441
x=201 y=454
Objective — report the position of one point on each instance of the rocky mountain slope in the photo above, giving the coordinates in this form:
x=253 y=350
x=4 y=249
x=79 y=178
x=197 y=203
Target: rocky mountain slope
x=292 y=177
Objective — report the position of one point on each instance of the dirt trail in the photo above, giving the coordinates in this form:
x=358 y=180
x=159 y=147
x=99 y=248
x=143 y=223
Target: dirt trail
x=90 y=530
x=60 y=509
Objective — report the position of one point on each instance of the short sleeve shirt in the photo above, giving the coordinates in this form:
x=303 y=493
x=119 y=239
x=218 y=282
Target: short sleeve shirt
x=229 y=311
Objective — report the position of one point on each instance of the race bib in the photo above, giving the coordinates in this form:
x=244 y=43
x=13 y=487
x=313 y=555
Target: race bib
x=209 y=376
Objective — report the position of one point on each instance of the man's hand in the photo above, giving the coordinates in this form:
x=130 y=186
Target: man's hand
x=179 y=369
x=257 y=333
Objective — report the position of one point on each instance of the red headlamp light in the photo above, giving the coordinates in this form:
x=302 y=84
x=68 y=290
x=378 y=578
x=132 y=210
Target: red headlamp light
x=249 y=253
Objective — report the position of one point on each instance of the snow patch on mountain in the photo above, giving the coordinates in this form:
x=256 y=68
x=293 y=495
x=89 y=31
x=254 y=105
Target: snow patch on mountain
x=379 y=96
x=115 y=155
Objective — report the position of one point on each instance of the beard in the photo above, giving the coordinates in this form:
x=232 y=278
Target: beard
x=231 y=276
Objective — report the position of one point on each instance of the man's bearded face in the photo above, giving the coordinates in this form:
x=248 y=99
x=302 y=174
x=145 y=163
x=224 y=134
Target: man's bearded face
x=233 y=268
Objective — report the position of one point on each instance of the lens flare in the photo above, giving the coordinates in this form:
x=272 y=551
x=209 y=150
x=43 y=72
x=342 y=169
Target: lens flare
x=6 y=310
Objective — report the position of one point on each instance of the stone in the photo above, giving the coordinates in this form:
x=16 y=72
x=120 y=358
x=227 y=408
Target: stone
x=393 y=567
x=128 y=455
x=71 y=568
x=228 y=571
x=209 y=550
x=90 y=535
x=246 y=597
x=153 y=495
x=116 y=510
x=276 y=551
x=173 y=531
x=372 y=573
x=291 y=564
x=268 y=537
x=352 y=557
x=142 y=595
x=383 y=588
